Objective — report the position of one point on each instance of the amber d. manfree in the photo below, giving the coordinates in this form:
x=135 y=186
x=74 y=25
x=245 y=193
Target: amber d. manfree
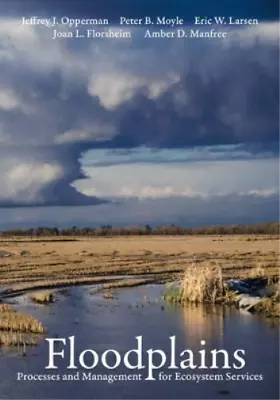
x=151 y=359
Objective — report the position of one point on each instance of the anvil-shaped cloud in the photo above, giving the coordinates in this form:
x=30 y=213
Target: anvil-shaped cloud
x=61 y=98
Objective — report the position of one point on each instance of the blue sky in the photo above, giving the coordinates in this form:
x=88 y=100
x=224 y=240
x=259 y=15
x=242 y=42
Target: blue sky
x=139 y=131
x=146 y=173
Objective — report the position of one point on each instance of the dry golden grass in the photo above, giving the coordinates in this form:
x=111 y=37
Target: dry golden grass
x=48 y=264
x=270 y=307
x=127 y=283
x=10 y=320
x=277 y=291
x=17 y=339
x=5 y=308
x=259 y=271
x=42 y=297
x=108 y=296
x=202 y=284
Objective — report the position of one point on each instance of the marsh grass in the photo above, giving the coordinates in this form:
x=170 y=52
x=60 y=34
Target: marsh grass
x=127 y=283
x=173 y=294
x=43 y=297
x=4 y=308
x=13 y=321
x=108 y=296
x=202 y=284
x=270 y=307
x=258 y=271
x=199 y=284
x=9 y=339
x=277 y=293
x=89 y=261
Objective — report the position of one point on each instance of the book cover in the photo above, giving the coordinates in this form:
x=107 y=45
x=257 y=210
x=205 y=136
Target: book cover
x=139 y=199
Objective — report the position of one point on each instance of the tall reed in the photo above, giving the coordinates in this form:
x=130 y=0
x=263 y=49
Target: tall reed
x=202 y=284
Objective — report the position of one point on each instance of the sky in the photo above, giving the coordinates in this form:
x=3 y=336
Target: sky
x=136 y=131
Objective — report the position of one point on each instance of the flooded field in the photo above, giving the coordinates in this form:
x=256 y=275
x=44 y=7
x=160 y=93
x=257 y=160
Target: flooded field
x=29 y=263
x=115 y=323
x=106 y=292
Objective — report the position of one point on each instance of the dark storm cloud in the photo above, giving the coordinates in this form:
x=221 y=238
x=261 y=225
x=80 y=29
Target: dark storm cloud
x=236 y=103
x=65 y=101
x=60 y=106
x=229 y=101
x=262 y=9
x=30 y=187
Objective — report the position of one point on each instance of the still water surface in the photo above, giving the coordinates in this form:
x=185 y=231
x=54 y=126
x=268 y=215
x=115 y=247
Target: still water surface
x=101 y=325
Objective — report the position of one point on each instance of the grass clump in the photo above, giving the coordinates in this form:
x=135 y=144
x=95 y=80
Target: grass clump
x=202 y=284
x=13 y=321
x=258 y=271
x=9 y=339
x=270 y=307
x=199 y=284
x=4 y=308
x=277 y=293
x=108 y=296
x=43 y=297
x=173 y=294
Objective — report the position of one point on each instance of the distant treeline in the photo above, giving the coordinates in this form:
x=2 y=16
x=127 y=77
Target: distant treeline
x=269 y=228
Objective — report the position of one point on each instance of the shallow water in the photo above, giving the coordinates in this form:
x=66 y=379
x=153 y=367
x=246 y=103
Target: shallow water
x=101 y=325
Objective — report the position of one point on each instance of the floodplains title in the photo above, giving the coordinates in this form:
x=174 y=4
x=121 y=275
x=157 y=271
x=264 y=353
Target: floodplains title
x=139 y=359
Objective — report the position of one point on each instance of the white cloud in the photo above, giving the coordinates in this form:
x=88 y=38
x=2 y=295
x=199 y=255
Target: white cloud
x=8 y=99
x=153 y=192
x=264 y=31
x=114 y=88
x=160 y=192
x=23 y=182
x=189 y=179
x=263 y=192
